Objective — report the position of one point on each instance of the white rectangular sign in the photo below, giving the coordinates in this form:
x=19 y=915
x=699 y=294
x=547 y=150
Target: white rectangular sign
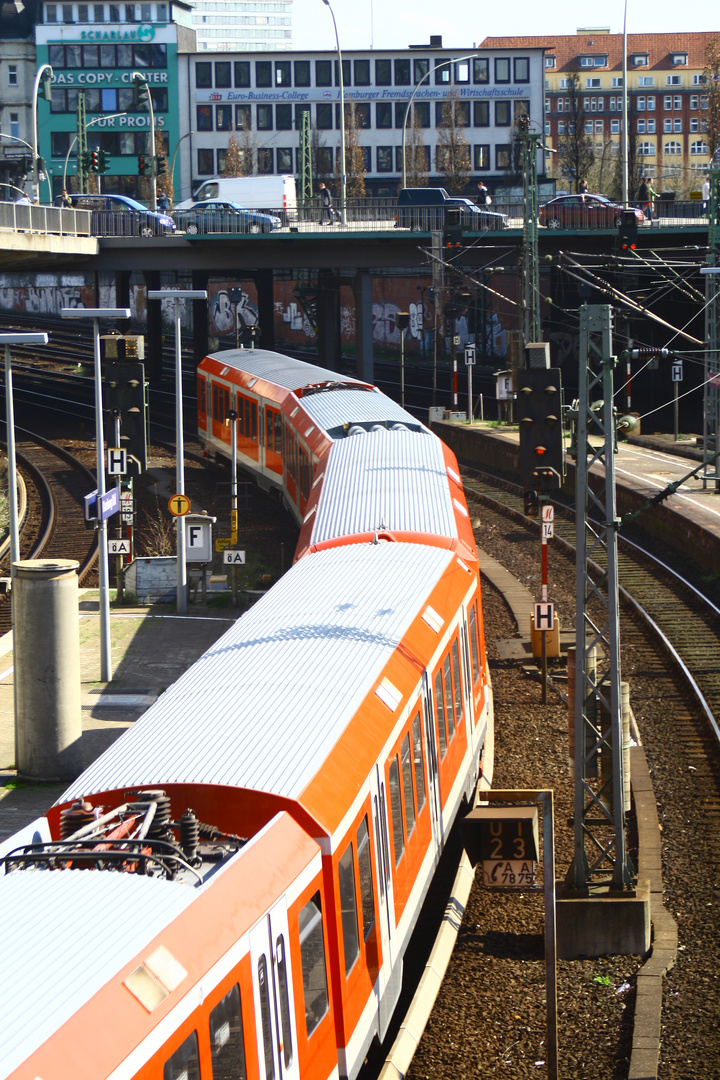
x=544 y=616
x=116 y=461
x=118 y=547
x=469 y=355
x=548 y=530
x=677 y=371
x=548 y=512
x=198 y=540
x=233 y=558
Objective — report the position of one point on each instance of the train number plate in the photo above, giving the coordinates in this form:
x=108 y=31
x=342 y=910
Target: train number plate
x=508 y=873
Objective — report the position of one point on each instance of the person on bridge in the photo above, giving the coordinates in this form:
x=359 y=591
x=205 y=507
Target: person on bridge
x=483 y=196
x=65 y=200
x=327 y=206
x=706 y=194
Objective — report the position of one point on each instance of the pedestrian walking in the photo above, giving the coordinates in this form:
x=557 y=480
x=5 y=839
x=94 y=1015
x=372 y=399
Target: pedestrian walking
x=584 y=189
x=644 y=198
x=706 y=195
x=163 y=202
x=65 y=200
x=483 y=195
x=327 y=206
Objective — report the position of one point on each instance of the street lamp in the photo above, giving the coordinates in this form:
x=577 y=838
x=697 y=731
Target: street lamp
x=445 y=63
x=96 y=314
x=343 y=178
x=172 y=166
x=143 y=90
x=176 y=295
x=44 y=76
x=108 y=116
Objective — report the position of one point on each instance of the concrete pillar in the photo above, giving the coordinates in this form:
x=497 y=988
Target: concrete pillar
x=365 y=365
x=266 y=309
x=328 y=319
x=154 y=334
x=48 y=721
x=122 y=299
x=200 y=280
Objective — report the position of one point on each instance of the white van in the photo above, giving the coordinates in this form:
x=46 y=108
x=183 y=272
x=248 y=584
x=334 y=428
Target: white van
x=252 y=192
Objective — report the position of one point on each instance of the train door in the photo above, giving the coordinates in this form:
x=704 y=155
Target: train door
x=273 y=994
x=202 y=401
x=467 y=680
x=384 y=873
x=432 y=760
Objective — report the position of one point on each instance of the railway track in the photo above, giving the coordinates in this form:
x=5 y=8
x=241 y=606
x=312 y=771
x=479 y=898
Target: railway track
x=54 y=526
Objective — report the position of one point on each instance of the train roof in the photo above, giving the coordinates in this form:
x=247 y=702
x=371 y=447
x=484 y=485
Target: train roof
x=264 y=707
x=64 y=935
x=385 y=480
x=284 y=371
x=334 y=410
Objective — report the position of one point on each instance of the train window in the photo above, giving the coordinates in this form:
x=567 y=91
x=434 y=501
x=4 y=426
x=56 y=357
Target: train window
x=407 y=772
x=265 y=1021
x=253 y=420
x=215 y=401
x=248 y=425
x=226 y=403
x=378 y=845
x=269 y=428
x=440 y=714
x=367 y=897
x=201 y=395
x=227 y=1046
x=473 y=644
x=312 y=954
x=456 y=678
x=287 y=1045
x=419 y=765
x=449 y=698
x=396 y=810
x=185 y=1062
x=278 y=433
x=348 y=908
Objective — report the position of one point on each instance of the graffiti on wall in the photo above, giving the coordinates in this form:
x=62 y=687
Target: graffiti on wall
x=223 y=312
x=44 y=300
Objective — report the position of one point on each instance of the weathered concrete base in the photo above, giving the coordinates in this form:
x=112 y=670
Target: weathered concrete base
x=604 y=925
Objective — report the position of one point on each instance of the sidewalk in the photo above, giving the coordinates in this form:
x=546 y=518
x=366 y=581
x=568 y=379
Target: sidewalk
x=151 y=648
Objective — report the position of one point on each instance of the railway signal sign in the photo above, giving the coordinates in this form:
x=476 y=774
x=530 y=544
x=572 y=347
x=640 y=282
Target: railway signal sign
x=677 y=370
x=198 y=537
x=544 y=616
x=233 y=558
x=119 y=547
x=116 y=461
x=469 y=355
x=179 y=505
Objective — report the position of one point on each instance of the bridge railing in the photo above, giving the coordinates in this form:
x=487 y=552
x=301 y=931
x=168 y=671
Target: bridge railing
x=25 y=217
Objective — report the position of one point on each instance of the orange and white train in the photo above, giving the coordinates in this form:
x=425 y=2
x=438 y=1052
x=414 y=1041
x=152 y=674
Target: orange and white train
x=228 y=891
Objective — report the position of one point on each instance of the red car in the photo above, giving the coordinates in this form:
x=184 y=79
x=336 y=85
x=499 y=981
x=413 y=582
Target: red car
x=583 y=212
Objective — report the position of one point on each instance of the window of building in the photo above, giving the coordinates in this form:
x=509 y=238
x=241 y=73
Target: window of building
x=699 y=147
x=549 y=61
x=263 y=73
x=679 y=59
x=185 y=1062
x=677 y=124
x=641 y=127
x=383 y=114
x=324 y=116
x=614 y=127
x=462 y=72
x=646 y=149
x=384 y=159
x=593 y=84
x=548 y=128
x=264 y=118
x=598 y=127
x=561 y=127
x=617 y=82
x=362 y=114
x=348 y=908
x=521 y=69
x=283 y=118
x=422 y=114
x=694 y=101
x=204 y=118
x=694 y=124
x=442 y=72
x=502 y=69
x=302 y=72
x=503 y=117
x=114 y=12
x=646 y=80
x=243 y=118
x=641 y=103
x=383 y=73
x=203 y=75
x=502 y=157
x=222 y=75
x=282 y=73
x=481 y=70
x=15 y=130
x=346 y=73
x=672 y=149
x=481 y=114
x=312 y=956
x=677 y=102
x=588 y=127
x=362 y=72
x=651 y=103
x=223 y=117
x=402 y=72
x=265 y=159
x=673 y=80
x=396 y=810
x=667 y=102
x=12 y=75
x=462 y=113
x=284 y=158
x=481 y=157
x=639 y=59
x=323 y=73
x=698 y=80
x=206 y=163
x=325 y=160
x=400 y=110
x=421 y=68
x=227 y=1046
x=651 y=126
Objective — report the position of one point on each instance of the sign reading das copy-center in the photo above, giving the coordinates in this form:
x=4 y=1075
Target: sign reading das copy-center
x=505 y=840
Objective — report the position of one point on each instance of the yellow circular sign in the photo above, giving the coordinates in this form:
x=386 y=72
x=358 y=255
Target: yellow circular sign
x=179 y=505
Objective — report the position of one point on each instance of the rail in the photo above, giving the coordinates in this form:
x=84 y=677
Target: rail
x=55 y=220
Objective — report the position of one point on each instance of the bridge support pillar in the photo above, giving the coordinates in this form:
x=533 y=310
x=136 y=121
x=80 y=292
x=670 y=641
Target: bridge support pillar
x=200 y=280
x=122 y=297
x=266 y=308
x=364 y=359
x=153 y=352
x=328 y=319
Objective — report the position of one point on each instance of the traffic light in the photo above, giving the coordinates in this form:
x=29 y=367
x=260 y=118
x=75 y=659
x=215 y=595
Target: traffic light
x=144 y=165
x=539 y=406
x=143 y=90
x=94 y=161
x=124 y=393
x=102 y=161
x=532 y=504
x=40 y=163
x=452 y=233
x=25 y=165
x=160 y=165
x=627 y=231
x=45 y=87
x=86 y=158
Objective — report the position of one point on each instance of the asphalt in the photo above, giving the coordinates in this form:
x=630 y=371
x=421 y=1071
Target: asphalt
x=151 y=648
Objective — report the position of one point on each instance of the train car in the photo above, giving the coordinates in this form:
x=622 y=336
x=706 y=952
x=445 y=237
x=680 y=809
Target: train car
x=230 y=889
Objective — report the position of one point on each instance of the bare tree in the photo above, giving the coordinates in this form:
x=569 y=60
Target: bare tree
x=247 y=147
x=234 y=159
x=416 y=156
x=576 y=154
x=354 y=156
x=711 y=81
x=452 y=155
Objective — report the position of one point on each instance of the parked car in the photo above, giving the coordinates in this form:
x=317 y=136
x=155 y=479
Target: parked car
x=583 y=212
x=423 y=209
x=219 y=216
x=118 y=215
x=269 y=193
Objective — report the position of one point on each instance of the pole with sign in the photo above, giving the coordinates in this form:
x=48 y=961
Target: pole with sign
x=676 y=369
x=547 y=615
x=470 y=363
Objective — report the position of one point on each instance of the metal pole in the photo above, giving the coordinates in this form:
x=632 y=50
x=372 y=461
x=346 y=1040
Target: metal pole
x=343 y=177
x=402 y=369
x=470 y=397
x=36 y=87
x=624 y=132
x=234 y=500
x=546 y=798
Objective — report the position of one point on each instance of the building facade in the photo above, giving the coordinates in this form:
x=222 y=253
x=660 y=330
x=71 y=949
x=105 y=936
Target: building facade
x=259 y=102
x=243 y=25
x=667 y=101
x=17 y=79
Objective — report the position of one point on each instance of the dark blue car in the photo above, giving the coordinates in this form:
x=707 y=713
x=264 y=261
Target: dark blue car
x=217 y=216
